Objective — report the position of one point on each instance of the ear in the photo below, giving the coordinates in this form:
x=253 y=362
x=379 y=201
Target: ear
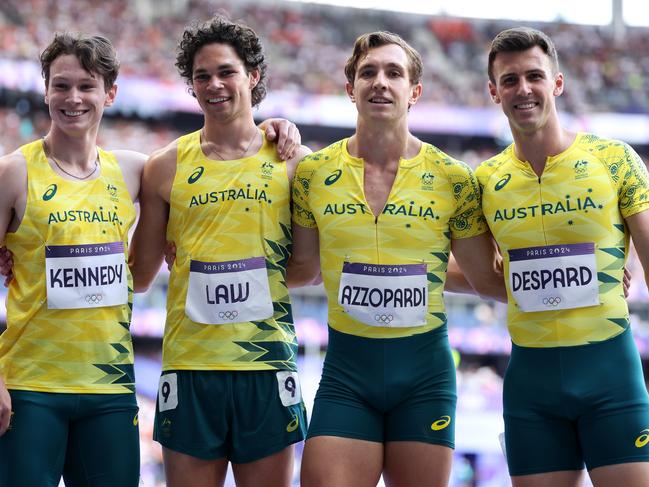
x=110 y=96
x=349 y=88
x=254 y=77
x=415 y=93
x=558 y=84
x=493 y=92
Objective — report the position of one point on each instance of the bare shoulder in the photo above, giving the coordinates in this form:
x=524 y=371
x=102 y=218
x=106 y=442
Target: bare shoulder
x=163 y=159
x=13 y=169
x=292 y=163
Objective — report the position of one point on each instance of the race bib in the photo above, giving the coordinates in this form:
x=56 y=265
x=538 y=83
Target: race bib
x=228 y=292
x=289 y=389
x=554 y=277
x=385 y=295
x=86 y=276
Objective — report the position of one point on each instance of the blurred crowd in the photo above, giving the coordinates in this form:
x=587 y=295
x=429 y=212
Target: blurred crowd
x=307 y=46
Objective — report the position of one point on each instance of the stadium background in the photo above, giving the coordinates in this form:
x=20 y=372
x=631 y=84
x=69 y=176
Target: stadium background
x=606 y=67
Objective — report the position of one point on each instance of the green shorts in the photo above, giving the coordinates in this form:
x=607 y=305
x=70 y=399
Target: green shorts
x=395 y=389
x=92 y=440
x=239 y=415
x=567 y=406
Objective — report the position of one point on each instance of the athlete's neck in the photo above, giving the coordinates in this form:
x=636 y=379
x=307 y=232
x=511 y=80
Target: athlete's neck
x=73 y=150
x=535 y=147
x=232 y=138
x=383 y=145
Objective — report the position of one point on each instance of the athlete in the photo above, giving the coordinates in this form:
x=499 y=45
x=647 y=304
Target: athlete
x=66 y=359
x=382 y=211
x=562 y=207
x=229 y=390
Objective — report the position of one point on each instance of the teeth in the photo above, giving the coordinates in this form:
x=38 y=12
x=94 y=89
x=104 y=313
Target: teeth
x=73 y=114
x=379 y=100
x=526 y=105
x=217 y=100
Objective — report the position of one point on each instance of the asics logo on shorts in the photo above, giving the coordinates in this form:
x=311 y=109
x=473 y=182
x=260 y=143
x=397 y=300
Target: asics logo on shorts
x=552 y=301
x=228 y=315
x=94 y=298
x=441 y=423
x=643 y=439
x=292 y=426
x=385 y=319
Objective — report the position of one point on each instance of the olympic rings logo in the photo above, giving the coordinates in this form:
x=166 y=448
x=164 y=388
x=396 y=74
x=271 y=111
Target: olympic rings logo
x=385 y=319
x=228 y=315
x=552 y=301
x=94 y=298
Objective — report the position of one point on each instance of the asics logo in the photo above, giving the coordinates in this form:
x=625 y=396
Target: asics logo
x=49 y=192
x=228 y=315
x=196 y=175
x=292 y=426
x=441 y=423
x=501 y=184
x=385 y=319
x=135 y=420
x=643 y=439
x=552 y=301
x=333 y=177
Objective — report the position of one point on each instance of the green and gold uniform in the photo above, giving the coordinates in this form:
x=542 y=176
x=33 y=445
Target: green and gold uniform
x=226 y=217
x=574 y=211
x=433 y=200
x=68 y=362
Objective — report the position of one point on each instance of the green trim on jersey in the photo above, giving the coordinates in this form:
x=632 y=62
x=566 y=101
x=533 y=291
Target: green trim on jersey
x=583 y=195
x=222 y=211
x=434 y=198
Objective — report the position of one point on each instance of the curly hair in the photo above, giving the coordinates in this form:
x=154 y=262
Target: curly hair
x=95 y=53
x=220 y=30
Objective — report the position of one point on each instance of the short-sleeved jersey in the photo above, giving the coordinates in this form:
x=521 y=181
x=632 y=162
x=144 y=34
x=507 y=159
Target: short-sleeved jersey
x=66 y=350
x=583 y=196
x=223 y=211
x=434 y=199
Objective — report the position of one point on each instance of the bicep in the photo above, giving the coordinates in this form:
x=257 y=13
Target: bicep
x=638 y=225
x=304 y=264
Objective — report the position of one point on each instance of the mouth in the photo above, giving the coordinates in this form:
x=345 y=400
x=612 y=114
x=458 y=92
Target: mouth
x=218 y=101
x=73 y=113
x=528 y=105
x=380 y=100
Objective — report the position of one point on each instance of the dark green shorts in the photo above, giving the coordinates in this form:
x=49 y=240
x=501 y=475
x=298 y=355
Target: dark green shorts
x=568 y=406
x=92 y=440
x=395 y=389
x=239 y=415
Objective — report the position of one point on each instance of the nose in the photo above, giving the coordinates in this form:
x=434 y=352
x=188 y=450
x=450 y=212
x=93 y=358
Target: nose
x=380 y=80
x=215 y=83
x=74 y=96
x=524 y=87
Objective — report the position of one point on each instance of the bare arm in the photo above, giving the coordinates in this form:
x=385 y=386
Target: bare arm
x=291 y=164
x=131 y=163
x=304 y=265
x=285 y=134
x=149 y=240
x=479 y=261
x=639 y=227
x=455 y=280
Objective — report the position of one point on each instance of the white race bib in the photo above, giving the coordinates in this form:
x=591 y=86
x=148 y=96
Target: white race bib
x=86 y=276
x=228 y=292
x=554 y=277
x=385 y=295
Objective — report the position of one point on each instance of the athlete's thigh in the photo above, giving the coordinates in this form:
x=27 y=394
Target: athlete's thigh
x=104 y=444
x=274 y=470
x=571 y=478
x=539 y=437
x=343 y=462
x=182 y=470
x=417 y=464
x=624 y=474
x=32 y=451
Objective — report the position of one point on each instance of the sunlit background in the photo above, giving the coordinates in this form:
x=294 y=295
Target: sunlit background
x=604 y=54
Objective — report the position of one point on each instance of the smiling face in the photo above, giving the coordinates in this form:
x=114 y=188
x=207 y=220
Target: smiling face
x=526 y=85
x=382 y=88
x=221 y=83
x=76 y=98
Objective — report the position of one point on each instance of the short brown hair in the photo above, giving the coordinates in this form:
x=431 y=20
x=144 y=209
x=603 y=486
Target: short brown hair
x=219 y=30
x=95 y=53
x=383 y=38
x=521 y=39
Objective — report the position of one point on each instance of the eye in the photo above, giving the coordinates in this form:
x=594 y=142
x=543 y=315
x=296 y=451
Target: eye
x=227 y=72
x=201 y=77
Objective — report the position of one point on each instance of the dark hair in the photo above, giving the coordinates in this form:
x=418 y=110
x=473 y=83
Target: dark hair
x=521 y=39
x=220 y=30
x=383 y=38
x=95 y=53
